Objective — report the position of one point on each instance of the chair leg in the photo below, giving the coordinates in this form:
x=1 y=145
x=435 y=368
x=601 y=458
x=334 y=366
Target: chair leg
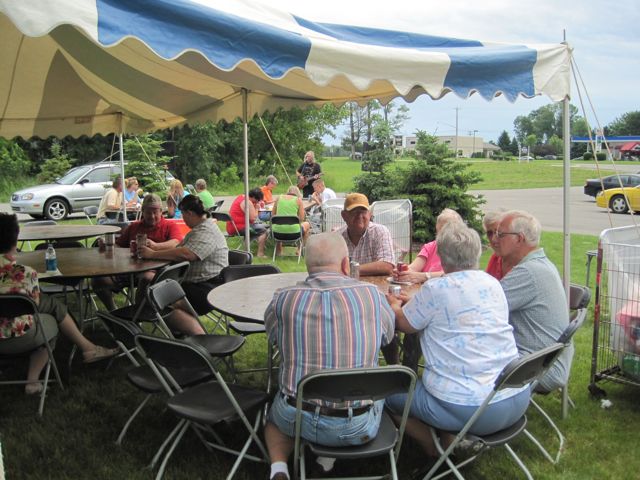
x=172 y=434
x=555 y=429
x=173 y=446
x=130 y=420
x=565 y=402
x=522 y=466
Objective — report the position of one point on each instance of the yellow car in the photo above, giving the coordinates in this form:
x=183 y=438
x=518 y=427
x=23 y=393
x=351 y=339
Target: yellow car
x=619 y=200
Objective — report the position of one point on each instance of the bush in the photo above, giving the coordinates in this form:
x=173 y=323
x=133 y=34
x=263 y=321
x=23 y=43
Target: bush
x=601 y=156
x=587 y=156
x=56 y=166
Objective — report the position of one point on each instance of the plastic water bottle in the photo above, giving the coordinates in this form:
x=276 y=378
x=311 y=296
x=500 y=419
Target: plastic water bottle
x=50 y=259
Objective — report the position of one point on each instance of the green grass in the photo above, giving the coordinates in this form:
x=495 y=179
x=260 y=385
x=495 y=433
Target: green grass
x=75 y=437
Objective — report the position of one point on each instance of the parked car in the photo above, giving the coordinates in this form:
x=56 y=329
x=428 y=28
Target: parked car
x=525 y=158
x=80 y=187
x=550 y=157
x=620 y=200
x=592 y=186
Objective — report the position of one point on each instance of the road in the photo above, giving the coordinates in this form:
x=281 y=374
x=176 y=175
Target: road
x=546 y=205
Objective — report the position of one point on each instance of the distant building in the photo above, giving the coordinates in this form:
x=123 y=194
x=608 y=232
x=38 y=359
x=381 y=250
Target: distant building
x=467 y=145
x=623 y=146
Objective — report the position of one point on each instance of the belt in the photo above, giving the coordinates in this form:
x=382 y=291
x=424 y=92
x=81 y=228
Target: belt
x=328 y=411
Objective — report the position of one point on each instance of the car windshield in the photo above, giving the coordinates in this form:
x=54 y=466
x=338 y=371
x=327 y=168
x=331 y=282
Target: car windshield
x=72 y=175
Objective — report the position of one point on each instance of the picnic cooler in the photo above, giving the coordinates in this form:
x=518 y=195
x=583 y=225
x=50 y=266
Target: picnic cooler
x=616 y=328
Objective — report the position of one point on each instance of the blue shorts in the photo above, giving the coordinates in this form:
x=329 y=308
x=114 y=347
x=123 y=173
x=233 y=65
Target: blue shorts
x=452 y=417
x=325 y=430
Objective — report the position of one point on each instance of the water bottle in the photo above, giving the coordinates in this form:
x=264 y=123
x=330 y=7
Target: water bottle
x=51 y=261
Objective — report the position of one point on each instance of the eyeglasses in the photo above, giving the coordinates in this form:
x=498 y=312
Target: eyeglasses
x=500 y=234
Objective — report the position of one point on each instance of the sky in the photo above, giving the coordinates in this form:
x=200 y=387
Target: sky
x=605 y=37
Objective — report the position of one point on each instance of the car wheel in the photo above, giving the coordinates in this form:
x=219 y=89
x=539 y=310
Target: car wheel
x=618 y=204
x=56 y=209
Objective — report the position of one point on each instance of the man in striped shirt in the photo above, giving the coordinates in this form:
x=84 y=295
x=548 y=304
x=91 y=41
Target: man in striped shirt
x=328 y=321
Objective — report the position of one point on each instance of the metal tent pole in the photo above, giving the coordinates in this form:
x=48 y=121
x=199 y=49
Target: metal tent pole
x=245 y=133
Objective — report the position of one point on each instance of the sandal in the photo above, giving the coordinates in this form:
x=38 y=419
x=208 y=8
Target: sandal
x=100 y=353
x=33 y=388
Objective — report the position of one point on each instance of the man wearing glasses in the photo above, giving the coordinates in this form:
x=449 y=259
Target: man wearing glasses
x=538 y=308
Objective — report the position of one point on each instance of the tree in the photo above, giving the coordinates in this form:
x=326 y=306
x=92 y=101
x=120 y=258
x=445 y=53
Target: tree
x=55 y=166
x=627 y=124
x=530 y=142
x=145 y=162
x=14 y=162
x=504 y=142
x=514 y=148
x=556 y=144
x=432 y=182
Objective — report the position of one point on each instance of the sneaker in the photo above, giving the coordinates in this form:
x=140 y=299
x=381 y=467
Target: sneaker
x=468 y=447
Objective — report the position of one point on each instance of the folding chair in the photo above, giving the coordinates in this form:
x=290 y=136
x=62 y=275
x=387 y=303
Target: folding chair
x=295 y=239
x=142 y=376
x=142 y=311
x=397 y=216
x=236 y=272
x=206 y=405
x=349 y=385
x=579 y=298
x=166 y=293
x=15 y=305
x=90 y=212
x=216 y=206
x=240 y=257
x=519 y=372
x=225 y=217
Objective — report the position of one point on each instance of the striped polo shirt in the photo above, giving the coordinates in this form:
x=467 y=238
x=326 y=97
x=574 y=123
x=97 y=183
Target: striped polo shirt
x=328 y=321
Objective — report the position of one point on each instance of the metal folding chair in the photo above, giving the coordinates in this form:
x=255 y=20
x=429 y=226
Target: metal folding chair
x=15 y=305
x=518 y=373
x=240 y=257
x=295 y=239
x=349 y=385
x=225 y=217
x=90 y=212
x=205 y=405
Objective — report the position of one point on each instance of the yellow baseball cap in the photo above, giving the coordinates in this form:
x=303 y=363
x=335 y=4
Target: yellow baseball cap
x=356 y=200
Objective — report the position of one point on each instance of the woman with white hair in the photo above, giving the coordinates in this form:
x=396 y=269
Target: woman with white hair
x=490 y=223
x=427 y=264
x=462 y=319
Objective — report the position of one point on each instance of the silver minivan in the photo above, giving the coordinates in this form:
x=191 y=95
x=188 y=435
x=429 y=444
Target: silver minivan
x=80 y=187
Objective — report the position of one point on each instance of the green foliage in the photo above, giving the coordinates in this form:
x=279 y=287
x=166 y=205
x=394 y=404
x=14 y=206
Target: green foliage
x=13 y=161
x=587 y=156
x=55 y=166
x=145 y=162
x=513 y=148
x=197 y=152
x=626 y=124
x=544 y=122
x=600 y=156
x=556 y=144
x=504 y=142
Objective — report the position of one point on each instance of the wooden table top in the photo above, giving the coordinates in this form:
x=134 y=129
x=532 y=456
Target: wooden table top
x=89 y=262
x=56 y=232
x=247 y=298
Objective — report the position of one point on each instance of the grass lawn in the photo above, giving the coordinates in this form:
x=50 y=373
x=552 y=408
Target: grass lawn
x=75 y=438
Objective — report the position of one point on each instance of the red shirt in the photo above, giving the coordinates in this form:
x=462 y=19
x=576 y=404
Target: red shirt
x=494 y=267
x=162 y=232
x=237 y=215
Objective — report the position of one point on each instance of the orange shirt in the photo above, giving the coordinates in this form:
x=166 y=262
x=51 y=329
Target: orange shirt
x=268 y=198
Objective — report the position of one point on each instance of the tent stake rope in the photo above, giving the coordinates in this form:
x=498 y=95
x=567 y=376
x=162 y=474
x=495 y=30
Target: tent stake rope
x=275 y=149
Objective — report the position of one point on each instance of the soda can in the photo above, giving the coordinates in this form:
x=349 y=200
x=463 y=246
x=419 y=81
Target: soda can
x=133 y=248
x=354 y=269
x=110 y=239
x=101 y=245
x=395 y=290
x=141 y=239
x=402 y=267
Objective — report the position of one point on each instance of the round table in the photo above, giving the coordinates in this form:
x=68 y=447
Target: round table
x=247 y=299
x=57 y=232
x=89 y=262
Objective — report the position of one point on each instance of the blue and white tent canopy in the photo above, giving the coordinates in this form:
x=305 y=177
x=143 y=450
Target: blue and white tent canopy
x=73 y=67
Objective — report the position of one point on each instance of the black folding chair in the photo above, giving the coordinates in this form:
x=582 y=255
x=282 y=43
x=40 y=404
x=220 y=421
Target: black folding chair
x=205 y=405
x=295 y=239
x=240 y=257
x=15 y=305
x=356 y=385
x=518 y=373
x=237 y=233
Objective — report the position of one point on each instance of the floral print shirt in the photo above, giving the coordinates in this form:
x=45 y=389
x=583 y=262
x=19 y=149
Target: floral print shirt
x=15 y=278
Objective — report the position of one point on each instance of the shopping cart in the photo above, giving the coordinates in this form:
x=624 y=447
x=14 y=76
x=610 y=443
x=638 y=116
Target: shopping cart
x=616 y=329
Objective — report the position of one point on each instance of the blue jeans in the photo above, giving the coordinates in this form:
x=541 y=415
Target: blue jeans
x=452 y=417
x=324 y=430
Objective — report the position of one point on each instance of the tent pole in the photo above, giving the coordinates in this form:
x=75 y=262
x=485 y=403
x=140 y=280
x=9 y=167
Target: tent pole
x=124 y=204
x=566 y=133
x=245 y=140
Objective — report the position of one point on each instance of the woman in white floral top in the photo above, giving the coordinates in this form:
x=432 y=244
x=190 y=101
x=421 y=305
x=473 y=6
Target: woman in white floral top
x=19 y=334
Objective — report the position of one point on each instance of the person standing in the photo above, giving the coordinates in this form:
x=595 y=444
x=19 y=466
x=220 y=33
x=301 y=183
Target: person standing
x=308 y=172
x=204 y=194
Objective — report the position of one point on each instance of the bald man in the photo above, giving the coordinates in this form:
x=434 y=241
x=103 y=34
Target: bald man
x=304 y=322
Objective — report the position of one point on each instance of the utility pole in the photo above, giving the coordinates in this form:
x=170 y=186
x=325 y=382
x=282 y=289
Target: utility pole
x=474 y=143
x=456 y=142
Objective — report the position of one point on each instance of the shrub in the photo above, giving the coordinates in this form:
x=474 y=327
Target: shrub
x=587 y=156
x=600 y=156
x=56 y=166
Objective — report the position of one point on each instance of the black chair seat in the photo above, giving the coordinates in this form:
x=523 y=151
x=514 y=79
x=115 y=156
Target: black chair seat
x=143 y=378
x=504 y=436
x=383 y=442
x=208 y=403
x=217 y=345
x=128 y=312
x=247 y=328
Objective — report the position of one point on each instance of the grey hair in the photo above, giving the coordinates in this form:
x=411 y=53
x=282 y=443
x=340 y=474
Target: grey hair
x=293 y=190
x=449 y=215
x=201 y=184
x=493 y=217
x=325 y=249
x=525 y=223
x=271 y=179
x=459 y=247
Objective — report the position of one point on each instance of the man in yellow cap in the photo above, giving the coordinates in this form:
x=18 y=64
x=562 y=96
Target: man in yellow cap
x=370 y=244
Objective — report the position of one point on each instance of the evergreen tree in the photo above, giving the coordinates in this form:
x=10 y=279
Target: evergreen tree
x=55 y=166
x=504 y=142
